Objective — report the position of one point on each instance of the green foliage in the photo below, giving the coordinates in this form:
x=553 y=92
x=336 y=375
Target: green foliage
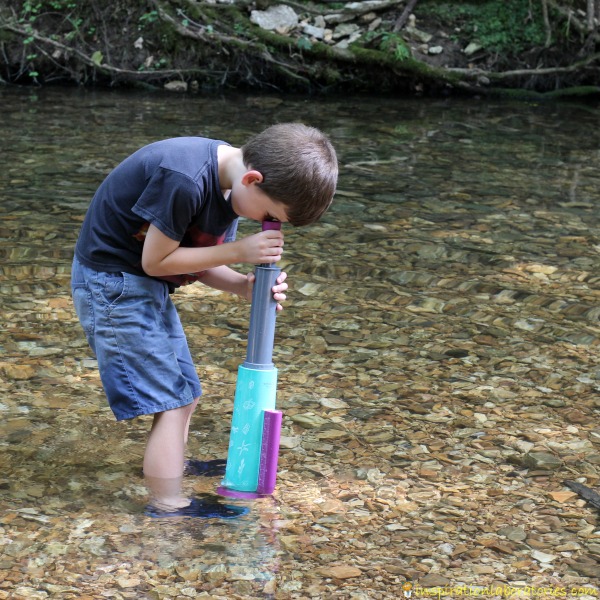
x=97 y=58
x=62 y=5
x=390 y=43
x=148 y=18
x=304 y=43
x=505 y=26
x=32 y=9
x=401 y=52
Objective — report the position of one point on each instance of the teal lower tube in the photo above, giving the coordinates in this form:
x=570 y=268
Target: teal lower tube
x=255 y=392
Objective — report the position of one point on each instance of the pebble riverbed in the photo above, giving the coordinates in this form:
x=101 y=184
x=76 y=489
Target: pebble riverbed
x=438 y=356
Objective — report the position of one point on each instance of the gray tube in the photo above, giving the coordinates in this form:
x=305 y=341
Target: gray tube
x=262 y=314
x=261 y=335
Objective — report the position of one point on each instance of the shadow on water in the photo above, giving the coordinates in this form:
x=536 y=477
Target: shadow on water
x=451 y=288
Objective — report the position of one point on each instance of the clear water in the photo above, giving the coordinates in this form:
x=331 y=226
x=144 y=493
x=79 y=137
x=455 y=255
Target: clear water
x=461 y=252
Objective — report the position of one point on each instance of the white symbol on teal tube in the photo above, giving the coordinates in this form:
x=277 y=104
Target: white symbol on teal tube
x=243 y=448
x=249 y=404
x=241 y=467
x=246 y=428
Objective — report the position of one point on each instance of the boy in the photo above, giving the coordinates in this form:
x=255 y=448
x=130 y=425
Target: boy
x=165 y=217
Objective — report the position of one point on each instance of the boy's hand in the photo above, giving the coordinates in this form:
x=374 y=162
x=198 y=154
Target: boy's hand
x=263 y=247
x=277 y=289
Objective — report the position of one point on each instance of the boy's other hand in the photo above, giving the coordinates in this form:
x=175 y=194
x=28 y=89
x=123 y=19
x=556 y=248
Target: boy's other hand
x=278 y=289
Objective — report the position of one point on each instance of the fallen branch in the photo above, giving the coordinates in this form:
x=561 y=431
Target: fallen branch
x=499 y=76
x=588 y=494
x=569 y=15
x=401 y=20
x=547 y=26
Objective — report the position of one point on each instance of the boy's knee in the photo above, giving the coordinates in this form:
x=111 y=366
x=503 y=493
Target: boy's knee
x=180 y=413
x=188 y=409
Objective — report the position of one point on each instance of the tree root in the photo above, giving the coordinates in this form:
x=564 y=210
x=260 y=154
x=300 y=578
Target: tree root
x=470 y=74
x=89 y=60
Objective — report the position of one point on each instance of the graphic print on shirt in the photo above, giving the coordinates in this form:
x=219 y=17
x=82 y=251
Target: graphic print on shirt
x=140 y=236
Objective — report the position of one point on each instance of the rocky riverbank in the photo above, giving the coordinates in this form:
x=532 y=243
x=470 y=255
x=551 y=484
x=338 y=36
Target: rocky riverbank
x=366 y=46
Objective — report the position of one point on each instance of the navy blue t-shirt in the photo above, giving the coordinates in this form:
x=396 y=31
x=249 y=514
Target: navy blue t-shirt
x=172 y=184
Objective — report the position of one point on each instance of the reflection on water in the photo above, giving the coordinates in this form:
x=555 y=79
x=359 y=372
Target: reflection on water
x=451 y=290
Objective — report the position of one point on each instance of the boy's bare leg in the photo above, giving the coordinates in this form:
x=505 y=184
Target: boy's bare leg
x=192 y=408
x=164 y=457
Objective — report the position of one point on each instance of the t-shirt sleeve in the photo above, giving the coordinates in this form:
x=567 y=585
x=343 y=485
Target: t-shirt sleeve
x=169 y=202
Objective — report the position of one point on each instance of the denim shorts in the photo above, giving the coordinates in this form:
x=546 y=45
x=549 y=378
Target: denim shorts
x=134 y=330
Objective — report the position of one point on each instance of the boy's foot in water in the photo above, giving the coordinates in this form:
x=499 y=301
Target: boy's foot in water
x=202 y=468
x=199 y=508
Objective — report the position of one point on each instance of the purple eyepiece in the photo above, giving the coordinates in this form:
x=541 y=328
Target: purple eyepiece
x=267 y=225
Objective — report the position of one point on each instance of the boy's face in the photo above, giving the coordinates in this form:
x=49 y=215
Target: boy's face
x=249 y=201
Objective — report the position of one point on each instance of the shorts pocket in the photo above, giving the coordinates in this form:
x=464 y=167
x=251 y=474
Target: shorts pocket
x=112 y=287
x=82 y=300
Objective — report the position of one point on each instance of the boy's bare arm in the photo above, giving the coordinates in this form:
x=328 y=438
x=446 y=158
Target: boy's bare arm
x=227 y=280
x=163 y=256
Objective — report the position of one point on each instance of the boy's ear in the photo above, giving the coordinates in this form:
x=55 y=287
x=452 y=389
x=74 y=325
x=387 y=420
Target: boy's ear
x=252 y=176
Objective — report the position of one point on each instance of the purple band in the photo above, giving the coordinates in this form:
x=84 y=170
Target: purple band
x=266 y=225
x=228 y=493
x=269 y=452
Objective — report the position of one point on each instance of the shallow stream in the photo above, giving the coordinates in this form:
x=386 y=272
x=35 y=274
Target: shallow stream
x=442 y=328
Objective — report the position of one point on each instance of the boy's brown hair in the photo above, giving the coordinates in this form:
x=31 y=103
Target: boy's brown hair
x=299 y=168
